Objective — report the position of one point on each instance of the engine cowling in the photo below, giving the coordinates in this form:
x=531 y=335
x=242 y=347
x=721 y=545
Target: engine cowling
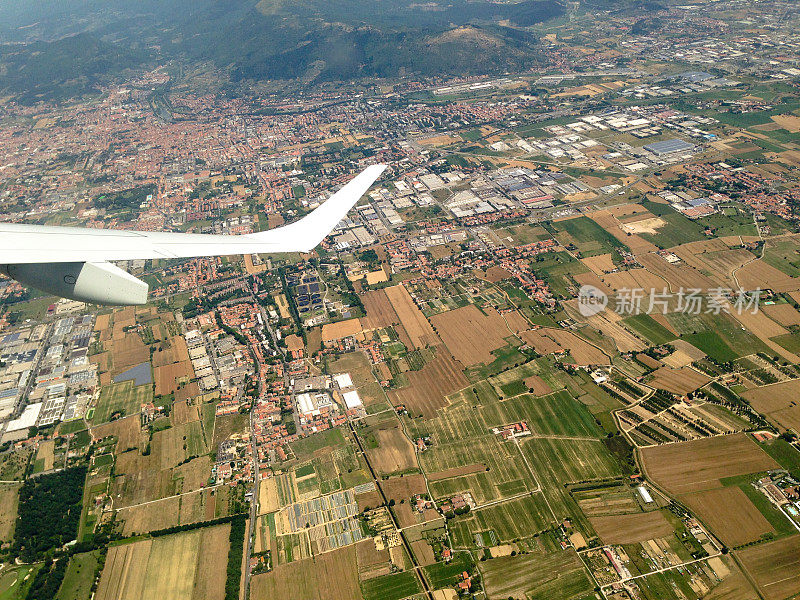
x=96 y=283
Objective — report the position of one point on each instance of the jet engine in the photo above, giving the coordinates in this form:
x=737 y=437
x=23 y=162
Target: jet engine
x=93 y=282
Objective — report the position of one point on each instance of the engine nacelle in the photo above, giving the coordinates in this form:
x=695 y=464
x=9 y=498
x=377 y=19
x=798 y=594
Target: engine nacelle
x=96 y=283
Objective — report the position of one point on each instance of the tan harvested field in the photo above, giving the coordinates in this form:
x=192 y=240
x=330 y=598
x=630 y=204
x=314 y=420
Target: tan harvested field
x=169 y=512
x=394 y=453
x=697 y=465
x=336 y=331
x=778 y=402
x=175 y=351
x=169 y=377
x=677 y=276
x=402 y=488
x=790 y=123
x=9 y=501
x=470 y=334
x=759 y=274
x=765 y=328
x=268 y=500
x=128 y=432
x=582 y=352
x=730 y=514
x=634 y=279
x=128 y=352
x=381 y=313
x=599 y=264
x=102 y=322
x=715 y=257
x=590 y=278
x=633 y=528
x=540 y=342
x=626 y=211
x=608 y=323
x=183 y=412
x=419 y=331
x=783 y=314
x=678 y=381
x=371 y=561
x=429 y=387
x=184 y=566
x=537 y=386
x=176 y=444
x=775 y=567
x=457 y=472
x=684 y=353
x=329 y=576
x=734 y=585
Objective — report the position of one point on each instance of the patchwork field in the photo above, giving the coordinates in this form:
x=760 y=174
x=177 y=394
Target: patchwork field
x=419 y=331
x=170 y=377
x=141 y=478
x=429 y=387
x=700 y=464
x=190 y=565
x=775 y=567
x=632 y=528
x=470 y=334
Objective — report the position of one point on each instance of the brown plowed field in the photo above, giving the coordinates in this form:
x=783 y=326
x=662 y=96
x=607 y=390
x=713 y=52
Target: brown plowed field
x=678 y=381
x=633 y=528
x=128 y=432
x=470 y=334
x=581 y=351
x=168 y=377
x=539 y=386
x=775 y=567
x=784 y=314
x=698 y=465
x=174 y=352
x=778 y=402
x=429 y=387
x=128 y=352
x=730 y=515
x=414 y=322
x=402 y=488
x=540 y=342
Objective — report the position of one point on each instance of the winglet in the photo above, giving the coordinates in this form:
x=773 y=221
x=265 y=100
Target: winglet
x=307 y=233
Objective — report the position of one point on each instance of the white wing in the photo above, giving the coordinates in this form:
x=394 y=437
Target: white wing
x=26 y=244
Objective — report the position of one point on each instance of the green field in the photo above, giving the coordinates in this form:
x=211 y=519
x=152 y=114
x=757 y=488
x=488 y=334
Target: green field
x=784 y=255
x=590 y=238
x=121 y=399
x=13 y=585
x=784 y=453
x=391 y=587
x=555 y=414
x=305 y=448
x=511 y=520
x=556 y=576
x=78 y=579
x=712 y=344
x=790 y=341
x=557 y=462
x=648 y=328
x=442 y=575
x=678 y=229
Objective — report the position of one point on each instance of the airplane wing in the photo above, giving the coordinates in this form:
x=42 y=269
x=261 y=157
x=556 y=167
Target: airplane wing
x=73 y=262
x=26 y=244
